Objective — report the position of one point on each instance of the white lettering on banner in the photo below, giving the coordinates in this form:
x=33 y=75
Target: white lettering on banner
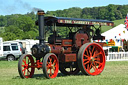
x=84 y=22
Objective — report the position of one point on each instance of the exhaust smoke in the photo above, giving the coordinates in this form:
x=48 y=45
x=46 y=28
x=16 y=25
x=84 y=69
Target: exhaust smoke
x=16 y=7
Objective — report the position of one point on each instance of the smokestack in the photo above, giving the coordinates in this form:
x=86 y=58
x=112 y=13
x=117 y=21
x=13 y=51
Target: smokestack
x=41 y=26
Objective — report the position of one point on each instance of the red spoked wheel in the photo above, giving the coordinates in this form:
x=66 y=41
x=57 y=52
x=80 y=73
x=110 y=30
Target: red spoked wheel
x=50 y=65
x=91 y=59
x=26 y=66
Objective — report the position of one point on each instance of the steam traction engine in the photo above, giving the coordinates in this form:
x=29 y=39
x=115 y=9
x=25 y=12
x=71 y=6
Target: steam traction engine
x=69 y=55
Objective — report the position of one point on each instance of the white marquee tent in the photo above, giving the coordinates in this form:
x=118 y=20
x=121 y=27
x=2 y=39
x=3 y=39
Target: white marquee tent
x=117 y=34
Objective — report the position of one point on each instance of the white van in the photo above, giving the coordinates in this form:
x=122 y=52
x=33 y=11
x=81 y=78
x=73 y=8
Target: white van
x=27 y=45
x=11 y=50
x=1 y=47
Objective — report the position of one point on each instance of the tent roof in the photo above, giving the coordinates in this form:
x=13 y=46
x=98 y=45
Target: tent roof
x=118 y=32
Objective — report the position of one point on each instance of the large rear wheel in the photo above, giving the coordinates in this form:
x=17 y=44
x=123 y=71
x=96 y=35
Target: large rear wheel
x=91 y=59
x=26 y=66
x=50 y=65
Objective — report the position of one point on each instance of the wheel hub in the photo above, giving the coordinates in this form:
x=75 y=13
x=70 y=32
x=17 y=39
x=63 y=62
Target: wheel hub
x=51 y=67
x=25 y=66
x=92 y=59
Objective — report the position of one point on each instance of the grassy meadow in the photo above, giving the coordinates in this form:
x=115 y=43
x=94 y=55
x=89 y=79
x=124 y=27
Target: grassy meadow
x=115 y=73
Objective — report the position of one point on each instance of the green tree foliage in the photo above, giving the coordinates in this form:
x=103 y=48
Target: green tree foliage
x=12 y=32
x=71 y=12
x=25 y=23
x=110 y=12
x=19 y=27
x=86 y=13
x=118 y=15
x=63 y=32
x=3 y=21
x=102 y=13
x=32 y=15
x=30 y=35
x=8 y=36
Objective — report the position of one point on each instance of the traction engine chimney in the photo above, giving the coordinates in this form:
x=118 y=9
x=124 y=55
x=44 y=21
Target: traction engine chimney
x=41 y=26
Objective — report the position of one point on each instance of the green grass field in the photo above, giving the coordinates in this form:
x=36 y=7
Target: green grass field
x=117 y=22
x=115 y=73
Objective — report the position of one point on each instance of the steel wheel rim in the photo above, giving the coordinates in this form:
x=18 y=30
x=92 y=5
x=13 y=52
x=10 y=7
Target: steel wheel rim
x=93 y=59
x=52 y=66
x=10 y=58
x=27 y=66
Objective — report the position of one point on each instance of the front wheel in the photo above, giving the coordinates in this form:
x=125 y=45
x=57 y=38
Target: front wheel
x=26 y=66
x=91 y=59
x=50 y=65
x=10 y=58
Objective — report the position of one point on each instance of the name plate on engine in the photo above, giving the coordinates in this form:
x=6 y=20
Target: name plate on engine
x=70 y=57
x=67 y=57
x=66 y=42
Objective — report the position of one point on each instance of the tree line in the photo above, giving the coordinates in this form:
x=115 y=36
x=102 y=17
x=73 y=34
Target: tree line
x=18 y=26
x=110 y=12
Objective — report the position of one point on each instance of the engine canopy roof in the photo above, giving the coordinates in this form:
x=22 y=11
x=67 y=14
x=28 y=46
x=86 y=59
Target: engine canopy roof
x=75 y=22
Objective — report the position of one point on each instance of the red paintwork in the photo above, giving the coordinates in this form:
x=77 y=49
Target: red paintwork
x=28 y=66
x=52 y=66
x=57 y=49
x=93 y=60
x=65 y=49
x=67 y=57
x=38 y=64
x=66 y=42
x=81 y=39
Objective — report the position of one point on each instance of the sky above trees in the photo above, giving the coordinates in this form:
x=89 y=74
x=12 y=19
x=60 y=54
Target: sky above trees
x=24 y=6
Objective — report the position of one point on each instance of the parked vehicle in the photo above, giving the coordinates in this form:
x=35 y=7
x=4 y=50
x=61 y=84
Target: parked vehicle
x=1 y=48
x=27 y=44
x=11 y=50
